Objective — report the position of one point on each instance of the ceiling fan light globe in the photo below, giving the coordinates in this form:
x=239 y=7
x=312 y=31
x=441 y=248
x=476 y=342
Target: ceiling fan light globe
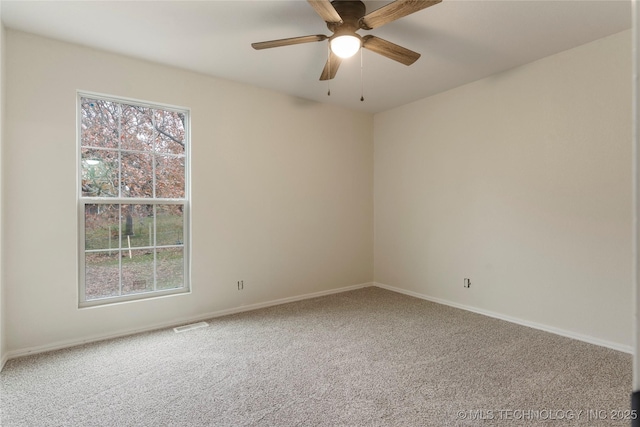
x=345 y=46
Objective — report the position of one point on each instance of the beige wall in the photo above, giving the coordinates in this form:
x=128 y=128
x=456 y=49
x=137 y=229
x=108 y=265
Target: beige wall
x=282 y=194
x=3 y=345
x=522 y=183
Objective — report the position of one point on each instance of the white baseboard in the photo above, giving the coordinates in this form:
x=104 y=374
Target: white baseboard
x=534 y=325
x=3 y=360
x=172 y=323
x=181 y=321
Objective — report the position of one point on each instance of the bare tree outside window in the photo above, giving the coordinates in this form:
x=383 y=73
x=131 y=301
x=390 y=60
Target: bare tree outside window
x=133 y=194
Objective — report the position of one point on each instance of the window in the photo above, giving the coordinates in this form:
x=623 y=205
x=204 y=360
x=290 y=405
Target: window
x=133 y=199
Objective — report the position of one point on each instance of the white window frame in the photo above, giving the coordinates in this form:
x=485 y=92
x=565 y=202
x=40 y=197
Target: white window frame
x=82 y=201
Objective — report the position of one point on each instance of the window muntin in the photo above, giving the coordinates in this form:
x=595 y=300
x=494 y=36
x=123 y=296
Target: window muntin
x=133 y=168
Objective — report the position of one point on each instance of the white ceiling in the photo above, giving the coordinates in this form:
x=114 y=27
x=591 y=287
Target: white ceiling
x=460 y=41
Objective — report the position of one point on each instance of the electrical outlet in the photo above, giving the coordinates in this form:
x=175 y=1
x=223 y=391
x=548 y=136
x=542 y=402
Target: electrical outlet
x=467 y=283
x=240 y=285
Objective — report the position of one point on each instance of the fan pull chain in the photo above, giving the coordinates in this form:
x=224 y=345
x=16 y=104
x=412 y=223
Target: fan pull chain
x=361 y=78
x=329 y=69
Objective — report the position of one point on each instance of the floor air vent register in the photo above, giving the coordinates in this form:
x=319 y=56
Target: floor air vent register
x=190 y=327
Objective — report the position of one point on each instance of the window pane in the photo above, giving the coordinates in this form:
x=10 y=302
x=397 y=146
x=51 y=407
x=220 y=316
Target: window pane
x=137 y=128
x=169 y=177
x=102 y=275
x=137 y=226
x=170 y=268
x=99 y=173
x=170 y=128
x=130 y=152
x=101 y=226
x=137 y=175
x=169 y=225
x=99 y=123
x=137 y=271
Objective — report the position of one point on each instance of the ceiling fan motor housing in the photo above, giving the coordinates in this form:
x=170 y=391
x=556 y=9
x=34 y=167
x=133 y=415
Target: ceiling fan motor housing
x=351 y=11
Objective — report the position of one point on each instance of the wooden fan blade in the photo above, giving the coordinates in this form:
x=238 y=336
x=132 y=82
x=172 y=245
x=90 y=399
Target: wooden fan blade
x=288 y=42
x=325 y=9
x=393 y=11
x=331 y=67
x=390 y=50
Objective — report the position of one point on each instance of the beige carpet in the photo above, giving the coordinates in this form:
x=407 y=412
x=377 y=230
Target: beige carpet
x=369 y=357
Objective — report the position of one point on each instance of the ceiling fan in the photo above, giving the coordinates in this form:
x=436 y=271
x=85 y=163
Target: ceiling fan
x=344 y=18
